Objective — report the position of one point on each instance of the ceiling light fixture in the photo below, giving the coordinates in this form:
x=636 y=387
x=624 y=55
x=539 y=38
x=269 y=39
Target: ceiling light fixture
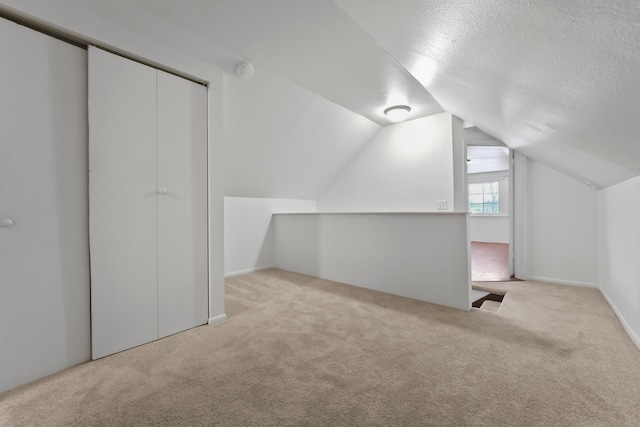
x=397 y=113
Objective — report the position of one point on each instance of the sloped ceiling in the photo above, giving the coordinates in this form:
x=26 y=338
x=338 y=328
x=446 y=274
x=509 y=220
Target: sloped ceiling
x=557 y=80
x=482 y=159
x=313 y=43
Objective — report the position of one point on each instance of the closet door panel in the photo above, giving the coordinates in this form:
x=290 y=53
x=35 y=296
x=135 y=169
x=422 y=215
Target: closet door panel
x=44 y=237
x=122 y=202
x=182 y=210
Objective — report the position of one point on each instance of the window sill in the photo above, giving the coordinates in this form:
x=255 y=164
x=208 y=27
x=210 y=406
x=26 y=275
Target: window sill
x=488 y=216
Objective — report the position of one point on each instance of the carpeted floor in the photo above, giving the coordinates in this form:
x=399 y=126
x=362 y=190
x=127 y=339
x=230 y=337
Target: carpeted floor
x=303 y=351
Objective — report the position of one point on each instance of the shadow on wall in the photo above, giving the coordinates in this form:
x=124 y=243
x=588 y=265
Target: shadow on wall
x=249 y=231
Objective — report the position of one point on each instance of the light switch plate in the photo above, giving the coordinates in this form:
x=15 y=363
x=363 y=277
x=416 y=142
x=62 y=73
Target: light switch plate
x=442 y=205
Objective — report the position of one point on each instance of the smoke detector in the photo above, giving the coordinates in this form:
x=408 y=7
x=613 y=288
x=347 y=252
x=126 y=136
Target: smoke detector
x=244 y=70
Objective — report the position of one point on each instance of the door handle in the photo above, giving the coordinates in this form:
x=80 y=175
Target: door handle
x=6 y=222
x=162 y=190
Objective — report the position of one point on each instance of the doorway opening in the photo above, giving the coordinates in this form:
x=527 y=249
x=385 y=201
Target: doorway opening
x=489 y=202
x=490 y=262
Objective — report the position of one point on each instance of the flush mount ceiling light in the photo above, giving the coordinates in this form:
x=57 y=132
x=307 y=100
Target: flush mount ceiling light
x=397 y=113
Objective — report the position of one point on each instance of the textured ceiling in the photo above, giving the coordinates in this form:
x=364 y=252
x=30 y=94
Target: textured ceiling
x=557 y=80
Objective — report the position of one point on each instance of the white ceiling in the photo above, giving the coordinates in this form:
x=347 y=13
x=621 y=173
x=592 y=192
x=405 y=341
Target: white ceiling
x=313 y=43
x=481 y=158
x=557 y=80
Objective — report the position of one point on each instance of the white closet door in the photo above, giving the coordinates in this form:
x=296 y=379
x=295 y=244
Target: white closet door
x=182 y=210
x=44 y=254
x=122 y=203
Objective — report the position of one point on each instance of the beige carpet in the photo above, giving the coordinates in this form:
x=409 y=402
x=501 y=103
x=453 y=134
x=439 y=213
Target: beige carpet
x=303 y=351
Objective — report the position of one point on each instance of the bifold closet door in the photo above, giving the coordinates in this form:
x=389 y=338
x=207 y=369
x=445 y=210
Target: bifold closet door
x=182 y=208
x=122 y=203
x=148 y=203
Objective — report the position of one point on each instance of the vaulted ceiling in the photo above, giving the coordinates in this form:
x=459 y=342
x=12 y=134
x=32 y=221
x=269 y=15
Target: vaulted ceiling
x=557 y=80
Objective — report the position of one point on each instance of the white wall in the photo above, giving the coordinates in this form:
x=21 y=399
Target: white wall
x=159 y=42
x=248 y=231
x=407 y=167
x=619 y=244
x=459 y=165
x=561 y=228
x=491 y=228
x=421 y=256
x=282 y=141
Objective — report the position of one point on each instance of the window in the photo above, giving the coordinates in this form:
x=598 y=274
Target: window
x=484 y=198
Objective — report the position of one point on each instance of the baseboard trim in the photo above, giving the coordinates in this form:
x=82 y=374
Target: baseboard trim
x=247 y=271
x=628 y=329
x=217 y=319
x=564 y=282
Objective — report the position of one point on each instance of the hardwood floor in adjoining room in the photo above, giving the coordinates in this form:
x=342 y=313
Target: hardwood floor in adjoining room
x=489 y=262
